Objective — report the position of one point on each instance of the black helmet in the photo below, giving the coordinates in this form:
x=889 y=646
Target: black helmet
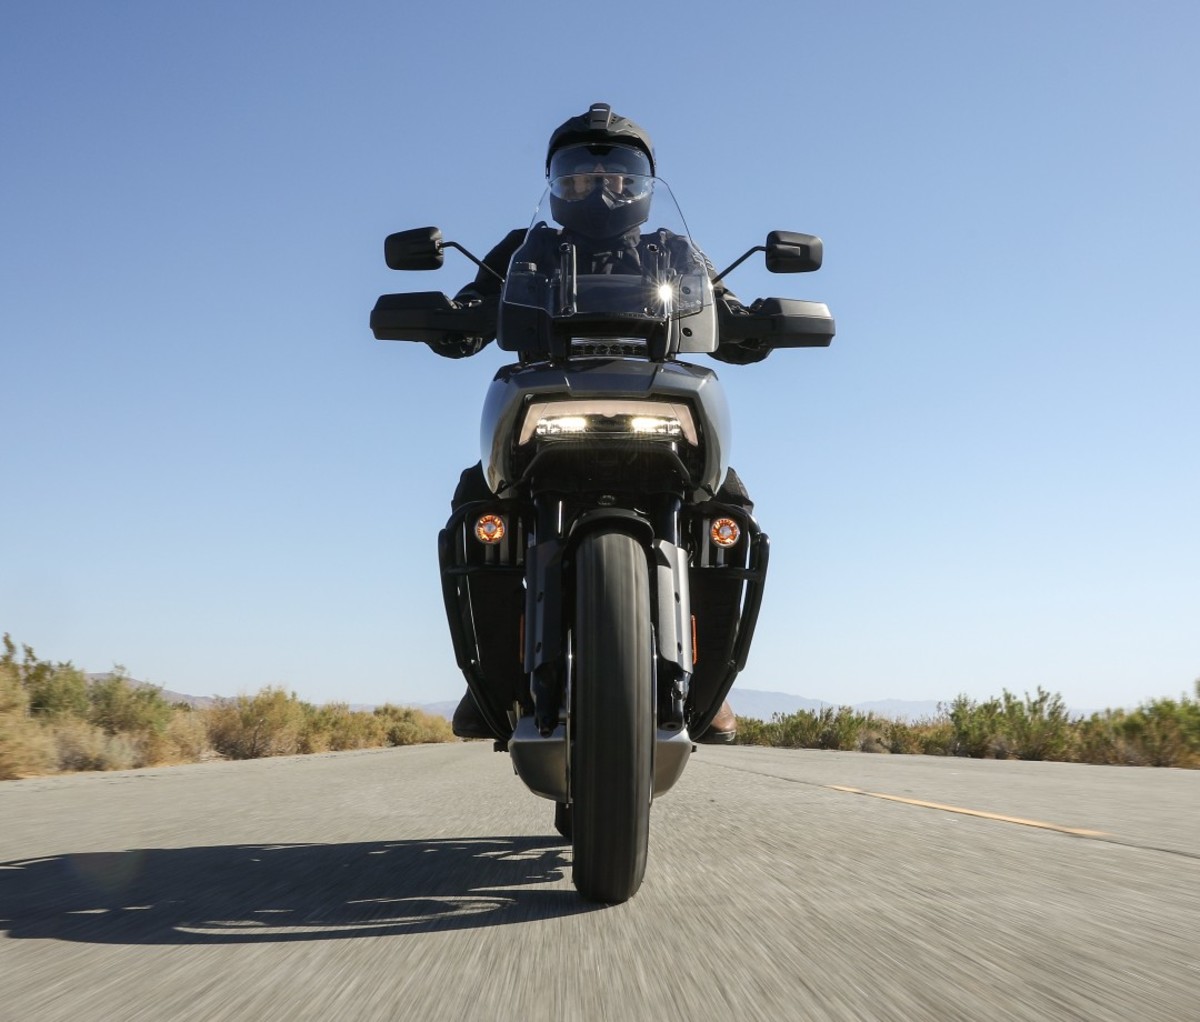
x=600 y=168
x=600 y=125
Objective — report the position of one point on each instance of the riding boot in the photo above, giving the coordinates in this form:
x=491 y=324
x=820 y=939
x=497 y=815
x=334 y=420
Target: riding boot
x=723 y=729
x=468 y=721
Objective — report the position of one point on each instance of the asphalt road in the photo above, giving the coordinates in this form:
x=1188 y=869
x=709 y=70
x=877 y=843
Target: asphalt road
x=426 y=883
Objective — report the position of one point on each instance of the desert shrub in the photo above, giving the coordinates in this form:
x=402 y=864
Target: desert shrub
x=931 y=737
x=828 y=728
x=799 y=730
x=117 y=706
x=936 y=736
x=14 y=700
x=402 y=725
x=136 y=714
x=899 y=736
x=1037 y=728
x=185 y=738
x=83 y=746
x=977 y=728
x=336 y=727
x=751 y=731
x=843 y=728
x=25 y=748
x=57 y=691
x=316 y=736
x=1100 y=739
x=270 y=723
x=51 y=690
x=1160 y=733
x=273 y=723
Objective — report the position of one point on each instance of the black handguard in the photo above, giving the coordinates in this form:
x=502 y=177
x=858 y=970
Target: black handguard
x=452 y=329
x=749 y=334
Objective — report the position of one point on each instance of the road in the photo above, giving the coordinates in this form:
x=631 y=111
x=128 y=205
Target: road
x=426 y=883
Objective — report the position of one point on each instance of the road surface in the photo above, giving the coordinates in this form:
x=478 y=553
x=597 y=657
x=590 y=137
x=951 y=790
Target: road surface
x=426 y=883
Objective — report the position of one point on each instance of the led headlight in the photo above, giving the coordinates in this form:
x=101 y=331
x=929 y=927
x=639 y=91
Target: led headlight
x=559 y=425
x=575 y=419
x=655 y=425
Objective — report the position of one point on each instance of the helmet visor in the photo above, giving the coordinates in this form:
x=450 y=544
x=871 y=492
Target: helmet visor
x=621 y=172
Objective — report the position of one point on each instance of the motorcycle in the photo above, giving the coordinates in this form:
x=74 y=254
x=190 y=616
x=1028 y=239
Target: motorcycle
x=603 y=599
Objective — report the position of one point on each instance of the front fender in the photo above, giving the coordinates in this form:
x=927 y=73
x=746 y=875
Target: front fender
x=549 y=581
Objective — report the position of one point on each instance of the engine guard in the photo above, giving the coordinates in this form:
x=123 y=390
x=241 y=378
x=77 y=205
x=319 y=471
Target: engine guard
x=726 y=588
x=479 y=578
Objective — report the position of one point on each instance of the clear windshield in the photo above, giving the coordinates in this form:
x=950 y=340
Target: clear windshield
x=606 y=246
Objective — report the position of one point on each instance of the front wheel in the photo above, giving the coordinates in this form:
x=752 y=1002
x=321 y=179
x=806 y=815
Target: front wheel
x=612 y=721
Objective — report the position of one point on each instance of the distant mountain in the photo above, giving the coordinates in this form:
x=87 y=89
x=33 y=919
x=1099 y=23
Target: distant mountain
x=748 y=702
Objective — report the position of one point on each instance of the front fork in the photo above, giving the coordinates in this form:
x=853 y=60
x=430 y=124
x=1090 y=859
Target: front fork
x=549 y=596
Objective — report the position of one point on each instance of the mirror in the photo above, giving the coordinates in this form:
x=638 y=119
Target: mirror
x=418 y=249
x=789 y=252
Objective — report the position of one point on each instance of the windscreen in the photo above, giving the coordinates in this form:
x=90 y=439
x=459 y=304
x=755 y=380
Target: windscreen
x=608 y=246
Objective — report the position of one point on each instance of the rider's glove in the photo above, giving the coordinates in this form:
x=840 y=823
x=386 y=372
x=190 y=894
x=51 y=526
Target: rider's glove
x=742 y=353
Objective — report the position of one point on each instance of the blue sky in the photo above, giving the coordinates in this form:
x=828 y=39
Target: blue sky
x=214 y=476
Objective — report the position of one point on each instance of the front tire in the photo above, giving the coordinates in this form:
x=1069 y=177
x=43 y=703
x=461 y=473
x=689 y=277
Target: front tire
x=612 y=722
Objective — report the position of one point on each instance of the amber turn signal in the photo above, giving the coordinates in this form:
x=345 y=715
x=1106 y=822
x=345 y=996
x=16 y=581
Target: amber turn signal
x=489 y=529
x=725 y=532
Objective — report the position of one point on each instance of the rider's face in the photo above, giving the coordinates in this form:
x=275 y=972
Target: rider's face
x=585 y=179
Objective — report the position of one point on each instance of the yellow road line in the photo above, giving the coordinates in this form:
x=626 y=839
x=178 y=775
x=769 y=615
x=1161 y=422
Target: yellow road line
x=1078 y=832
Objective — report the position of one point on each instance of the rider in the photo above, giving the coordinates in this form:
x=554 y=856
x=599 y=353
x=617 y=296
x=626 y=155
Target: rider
x=599 y=166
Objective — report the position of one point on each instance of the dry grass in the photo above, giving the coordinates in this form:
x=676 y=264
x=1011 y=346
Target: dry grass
x=52 y=721
x=1163 y=732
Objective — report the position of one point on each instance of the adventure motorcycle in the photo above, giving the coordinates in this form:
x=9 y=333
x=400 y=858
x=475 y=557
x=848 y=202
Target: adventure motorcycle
x=602 y=602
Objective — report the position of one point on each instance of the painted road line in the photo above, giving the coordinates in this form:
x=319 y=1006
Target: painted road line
x=1040 y=824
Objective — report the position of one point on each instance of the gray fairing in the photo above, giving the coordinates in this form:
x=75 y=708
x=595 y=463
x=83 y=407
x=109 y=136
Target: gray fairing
x=510 y=392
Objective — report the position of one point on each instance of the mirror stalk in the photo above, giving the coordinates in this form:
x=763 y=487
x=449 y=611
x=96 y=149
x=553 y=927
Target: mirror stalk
x=738 y=262
x=482 y=265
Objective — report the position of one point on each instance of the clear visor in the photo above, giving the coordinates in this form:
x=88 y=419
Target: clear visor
x=621 y=172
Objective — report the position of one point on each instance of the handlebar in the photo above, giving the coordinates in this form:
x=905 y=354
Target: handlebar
x=430 y=317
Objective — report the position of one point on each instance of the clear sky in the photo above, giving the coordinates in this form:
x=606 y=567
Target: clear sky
x=213 y=475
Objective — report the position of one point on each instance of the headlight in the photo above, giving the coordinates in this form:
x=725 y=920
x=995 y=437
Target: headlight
x=649 y=420
x=557 y=425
